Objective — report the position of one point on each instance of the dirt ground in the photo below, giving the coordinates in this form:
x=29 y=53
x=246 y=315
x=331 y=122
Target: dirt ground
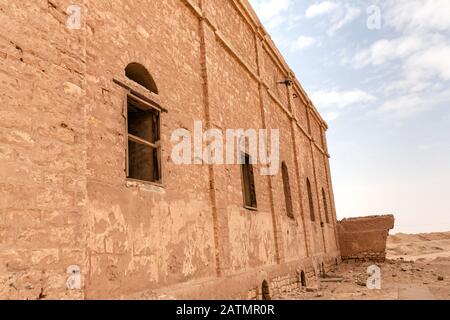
x=417 y=268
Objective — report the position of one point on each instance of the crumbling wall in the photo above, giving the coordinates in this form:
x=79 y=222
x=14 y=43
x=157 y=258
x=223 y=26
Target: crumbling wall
x=365 y=238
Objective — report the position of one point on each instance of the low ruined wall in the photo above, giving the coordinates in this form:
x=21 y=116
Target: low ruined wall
x=365 y=238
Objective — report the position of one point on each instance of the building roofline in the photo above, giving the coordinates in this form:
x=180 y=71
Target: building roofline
x=265 y=36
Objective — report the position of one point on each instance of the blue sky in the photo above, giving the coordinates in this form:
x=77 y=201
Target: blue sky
x=383 y=87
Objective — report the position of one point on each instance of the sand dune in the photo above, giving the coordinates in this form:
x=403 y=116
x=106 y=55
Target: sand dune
x=419 y=246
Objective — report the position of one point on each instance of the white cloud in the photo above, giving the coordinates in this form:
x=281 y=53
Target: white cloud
x=385 y=50
x=325 y=99
x=270 y=11
x=303 y=42
x=422 y=63
x=332 y=102
x=433 y=62
x=410 y=105
x=339 y=14
x=418 y=16
x=403 y=107
x=350 y=14
x=405 y=85
x=319 y=9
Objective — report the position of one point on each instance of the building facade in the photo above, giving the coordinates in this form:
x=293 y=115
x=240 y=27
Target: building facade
x=92 y=204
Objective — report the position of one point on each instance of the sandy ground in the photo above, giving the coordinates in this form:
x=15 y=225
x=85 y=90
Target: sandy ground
x=422 y=247
x=418 y=268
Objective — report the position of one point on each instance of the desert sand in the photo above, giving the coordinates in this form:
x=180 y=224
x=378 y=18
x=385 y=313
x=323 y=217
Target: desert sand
x=417 y=268
x=419 y=247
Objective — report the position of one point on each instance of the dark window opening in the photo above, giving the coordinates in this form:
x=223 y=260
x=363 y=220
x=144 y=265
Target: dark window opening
x=325 y=205
x=323 y=272
x=303 y=279
x=248 y=183
x=265 y=291
x=144 y=147
x=310 y=199
x=287 y=190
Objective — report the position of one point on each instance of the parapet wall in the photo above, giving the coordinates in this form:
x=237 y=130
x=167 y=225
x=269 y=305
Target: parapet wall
x=365 y=238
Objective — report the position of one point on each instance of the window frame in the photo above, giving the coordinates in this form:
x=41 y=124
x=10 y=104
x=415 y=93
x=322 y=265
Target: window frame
x=150 y=101
x=157 y=145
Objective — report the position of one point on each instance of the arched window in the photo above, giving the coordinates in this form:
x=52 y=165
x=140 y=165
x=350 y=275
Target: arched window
x=143 y=129
x=139 y=74
x=287 y=190
x=325 y=205
x=310 y=199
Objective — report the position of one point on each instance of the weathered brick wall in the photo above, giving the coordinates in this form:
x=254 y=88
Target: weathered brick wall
x=144 y=237
x=365 y=238
x=278 y=286
x=65 y=199
x=42 y=151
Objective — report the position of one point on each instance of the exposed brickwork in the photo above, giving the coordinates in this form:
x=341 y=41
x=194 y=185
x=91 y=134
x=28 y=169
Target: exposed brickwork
x=365 y=238
x=65 y=199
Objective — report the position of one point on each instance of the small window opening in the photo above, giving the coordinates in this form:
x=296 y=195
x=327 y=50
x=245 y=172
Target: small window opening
x=265 y=291
x=325 y=205
x=323 y=271
x=248 y=183
x=310 y=199
x=287 y=190
x=303 y=279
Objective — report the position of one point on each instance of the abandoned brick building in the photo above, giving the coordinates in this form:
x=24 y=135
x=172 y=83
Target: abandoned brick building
x=87 y=183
